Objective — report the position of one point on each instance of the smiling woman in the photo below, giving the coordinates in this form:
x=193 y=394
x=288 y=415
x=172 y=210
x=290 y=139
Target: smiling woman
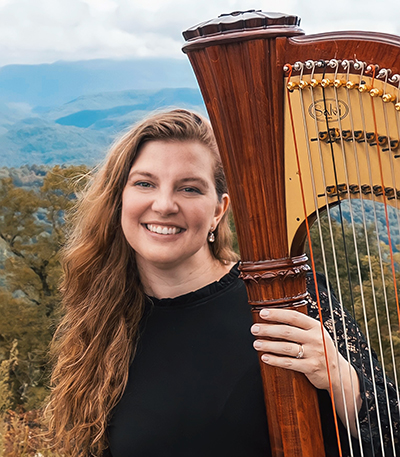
x=154 y=356
x=169 y=206
x=154 y=223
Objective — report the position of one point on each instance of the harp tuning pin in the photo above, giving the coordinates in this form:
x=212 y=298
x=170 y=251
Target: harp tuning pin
x=339 y=83
x=297 y=66
x=395 y=78
x=358 y=65
x=315 y=83
x=371 y=68
x=310 y=64
x=376 y=92
x=397 y=106
x=387 y=98
x=384 y=73
x=303 y=84
x=351 y=85
x=326 y=82
x=292 y=86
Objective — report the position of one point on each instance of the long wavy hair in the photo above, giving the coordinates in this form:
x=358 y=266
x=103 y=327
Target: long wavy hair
x=103 y=298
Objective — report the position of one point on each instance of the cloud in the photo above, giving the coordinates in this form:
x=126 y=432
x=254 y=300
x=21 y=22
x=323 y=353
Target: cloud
x=50 y=30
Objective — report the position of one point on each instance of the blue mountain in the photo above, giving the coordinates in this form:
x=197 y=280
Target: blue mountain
x=60 y=82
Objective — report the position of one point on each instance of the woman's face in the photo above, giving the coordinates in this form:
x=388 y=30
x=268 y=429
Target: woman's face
x=170 y=203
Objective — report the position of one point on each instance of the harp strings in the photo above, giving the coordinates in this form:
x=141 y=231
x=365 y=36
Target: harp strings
x=391 y=254
x=395 y=367
x=386 y=277
x=364 y=223
x=332 y=241
x=335 y=65
x=324 y=165
x=360 y=276
x=312 y=257
x=376 y=228
x=321 y=239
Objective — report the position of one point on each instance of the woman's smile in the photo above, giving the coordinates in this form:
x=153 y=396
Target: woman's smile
x=162 y=229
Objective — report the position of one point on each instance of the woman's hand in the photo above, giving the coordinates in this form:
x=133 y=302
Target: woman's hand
x=295 y=342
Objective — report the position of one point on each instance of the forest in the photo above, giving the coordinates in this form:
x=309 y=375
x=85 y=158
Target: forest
x=36 y=205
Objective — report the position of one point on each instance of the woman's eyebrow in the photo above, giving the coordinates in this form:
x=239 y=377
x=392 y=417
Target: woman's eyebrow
x=145 y=174
x=195 y=179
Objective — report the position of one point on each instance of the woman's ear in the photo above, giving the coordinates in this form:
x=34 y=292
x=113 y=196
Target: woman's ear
x=221 y=209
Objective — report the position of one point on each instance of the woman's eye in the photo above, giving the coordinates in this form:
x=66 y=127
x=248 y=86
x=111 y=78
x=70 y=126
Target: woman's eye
x=142 y=184
x=191 y=190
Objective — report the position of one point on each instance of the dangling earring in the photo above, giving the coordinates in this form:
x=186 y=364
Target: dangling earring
x=211 y=236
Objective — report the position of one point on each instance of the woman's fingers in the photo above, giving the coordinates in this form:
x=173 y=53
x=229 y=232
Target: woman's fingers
x=292 y=340
x=282 y=348
x=286 y=324
x=278 y=331
x=289 y=317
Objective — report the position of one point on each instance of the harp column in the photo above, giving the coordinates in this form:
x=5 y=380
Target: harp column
x=239 y=70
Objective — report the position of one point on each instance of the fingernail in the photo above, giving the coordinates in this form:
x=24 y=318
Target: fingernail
x=255 y=329
x=264 y=358
x=264 y=313
x=257 y=344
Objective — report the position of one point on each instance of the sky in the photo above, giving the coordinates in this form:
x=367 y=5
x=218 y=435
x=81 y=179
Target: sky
x=45 y=31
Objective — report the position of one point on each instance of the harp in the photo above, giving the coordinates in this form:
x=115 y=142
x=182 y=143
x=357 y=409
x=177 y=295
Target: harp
x=307 y=126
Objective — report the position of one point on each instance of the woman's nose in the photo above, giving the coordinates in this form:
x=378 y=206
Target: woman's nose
x=164 y=203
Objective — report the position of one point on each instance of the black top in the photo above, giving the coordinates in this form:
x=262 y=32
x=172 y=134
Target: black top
x=194 y=387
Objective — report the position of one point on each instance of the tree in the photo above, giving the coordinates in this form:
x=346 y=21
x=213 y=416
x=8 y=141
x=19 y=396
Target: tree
x=32 y=231
x=358 y=273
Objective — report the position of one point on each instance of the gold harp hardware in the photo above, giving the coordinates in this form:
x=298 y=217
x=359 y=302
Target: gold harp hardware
x=352 y=85
x=339 y=83
x=327 y=82
x=376 y=92
x=387 y=98
x=364 y=87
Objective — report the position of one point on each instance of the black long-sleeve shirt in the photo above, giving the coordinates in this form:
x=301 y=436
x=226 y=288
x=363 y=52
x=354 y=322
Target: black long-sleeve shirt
x=195 y=389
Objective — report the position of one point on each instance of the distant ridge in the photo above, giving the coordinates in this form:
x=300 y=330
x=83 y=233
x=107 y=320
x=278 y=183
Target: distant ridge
x=60 y=82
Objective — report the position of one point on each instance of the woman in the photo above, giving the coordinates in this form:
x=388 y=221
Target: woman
x=154 y=356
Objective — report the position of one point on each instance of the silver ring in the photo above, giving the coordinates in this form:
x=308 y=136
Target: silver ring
x=300 y=354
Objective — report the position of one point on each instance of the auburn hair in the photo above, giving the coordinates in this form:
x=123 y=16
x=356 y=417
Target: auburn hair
x=102 y=295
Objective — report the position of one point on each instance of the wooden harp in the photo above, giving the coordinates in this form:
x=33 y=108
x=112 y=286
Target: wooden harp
x=305 y=125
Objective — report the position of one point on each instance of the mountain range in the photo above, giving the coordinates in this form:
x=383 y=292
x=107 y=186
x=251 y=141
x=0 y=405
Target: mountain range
x=70 y=112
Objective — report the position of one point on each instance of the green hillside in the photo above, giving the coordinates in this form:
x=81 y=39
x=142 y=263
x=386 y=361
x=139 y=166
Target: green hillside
x=80 y=131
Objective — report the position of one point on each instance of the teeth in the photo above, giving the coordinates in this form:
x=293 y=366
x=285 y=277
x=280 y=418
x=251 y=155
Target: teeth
x=163 y=230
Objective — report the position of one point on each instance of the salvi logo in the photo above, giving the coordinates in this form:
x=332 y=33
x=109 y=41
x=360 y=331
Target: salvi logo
x=329 y=110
